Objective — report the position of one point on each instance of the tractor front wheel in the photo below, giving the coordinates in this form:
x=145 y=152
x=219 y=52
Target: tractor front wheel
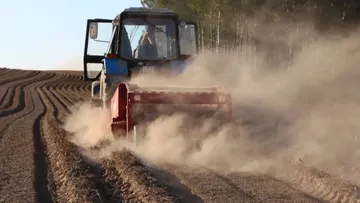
x=96 y=103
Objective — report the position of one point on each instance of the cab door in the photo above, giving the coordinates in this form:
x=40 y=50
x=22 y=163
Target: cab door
x=188 y=42
x=97 y=39
x=188 y=39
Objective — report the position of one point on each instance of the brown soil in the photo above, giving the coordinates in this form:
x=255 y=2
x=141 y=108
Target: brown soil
x=38 y=163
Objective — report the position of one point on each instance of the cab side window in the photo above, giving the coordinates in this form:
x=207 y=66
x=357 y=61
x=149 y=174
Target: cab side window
x=114 y=46
x=187 y=42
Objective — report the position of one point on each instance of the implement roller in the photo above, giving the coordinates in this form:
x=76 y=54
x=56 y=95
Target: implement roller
x=128 y=95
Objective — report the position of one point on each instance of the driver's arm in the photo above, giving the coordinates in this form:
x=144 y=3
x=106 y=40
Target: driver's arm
x=146 y=36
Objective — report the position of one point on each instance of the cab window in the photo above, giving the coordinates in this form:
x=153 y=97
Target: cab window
x=187 y=42
x=149 y=39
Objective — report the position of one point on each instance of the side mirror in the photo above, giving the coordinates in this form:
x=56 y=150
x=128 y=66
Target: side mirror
x=93 y=30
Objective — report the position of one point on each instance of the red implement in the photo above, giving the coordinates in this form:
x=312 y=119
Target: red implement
x=127 y=95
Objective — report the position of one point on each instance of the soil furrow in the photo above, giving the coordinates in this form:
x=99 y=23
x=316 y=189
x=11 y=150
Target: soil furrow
x=69 y=171
x=18 y=167
x=6 y=71
x=12 y=121
x=7 y=91
x=19 y=75
x=7 y=123
x=74 y=178
x=84 y=90
x=143 y=183
x=80 y=88
x=3 y=69
x=16 y=114
x=79 y=78
x=69 y=77
x=65 y=94
x=76 y=87
x=214 y=187
x=65 y=90
x=72 y=91
x=43 y=175
x=54 y=89
x=68 y=93
x=17 y=102
x=322 y=185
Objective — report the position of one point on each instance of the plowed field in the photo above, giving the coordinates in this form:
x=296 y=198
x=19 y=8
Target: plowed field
x=39 y=164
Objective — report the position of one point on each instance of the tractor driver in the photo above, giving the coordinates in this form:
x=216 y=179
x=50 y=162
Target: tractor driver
x=148 y=37
x=147 y=46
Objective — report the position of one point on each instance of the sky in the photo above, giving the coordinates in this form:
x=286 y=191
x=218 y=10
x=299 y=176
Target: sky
x=46 y=35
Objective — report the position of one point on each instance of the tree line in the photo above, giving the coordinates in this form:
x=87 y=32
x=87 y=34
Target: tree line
x=273 y=27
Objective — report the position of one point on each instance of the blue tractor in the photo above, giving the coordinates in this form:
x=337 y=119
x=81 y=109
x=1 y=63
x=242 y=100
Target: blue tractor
x=141 y=41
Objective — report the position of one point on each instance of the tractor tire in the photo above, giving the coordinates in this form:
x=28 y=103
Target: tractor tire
x=96 y=103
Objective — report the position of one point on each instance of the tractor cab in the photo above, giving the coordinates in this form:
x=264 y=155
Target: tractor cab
x=138 y=37
x=137 y=41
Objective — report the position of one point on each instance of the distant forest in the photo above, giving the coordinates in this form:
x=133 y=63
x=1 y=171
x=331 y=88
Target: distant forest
x=243 y=27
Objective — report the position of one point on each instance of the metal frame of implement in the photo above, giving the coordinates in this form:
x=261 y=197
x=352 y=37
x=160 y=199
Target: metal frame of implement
x=128 y=94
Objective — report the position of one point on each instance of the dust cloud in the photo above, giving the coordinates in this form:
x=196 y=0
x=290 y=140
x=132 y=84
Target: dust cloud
x=89 y=125
x=73 y=64
x=308 y=111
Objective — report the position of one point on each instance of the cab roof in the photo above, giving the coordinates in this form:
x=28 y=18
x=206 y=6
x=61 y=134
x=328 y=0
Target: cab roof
x=145 y=11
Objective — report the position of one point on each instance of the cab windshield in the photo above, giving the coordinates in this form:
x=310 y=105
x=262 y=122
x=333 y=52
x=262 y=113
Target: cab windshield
x=150 y=38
